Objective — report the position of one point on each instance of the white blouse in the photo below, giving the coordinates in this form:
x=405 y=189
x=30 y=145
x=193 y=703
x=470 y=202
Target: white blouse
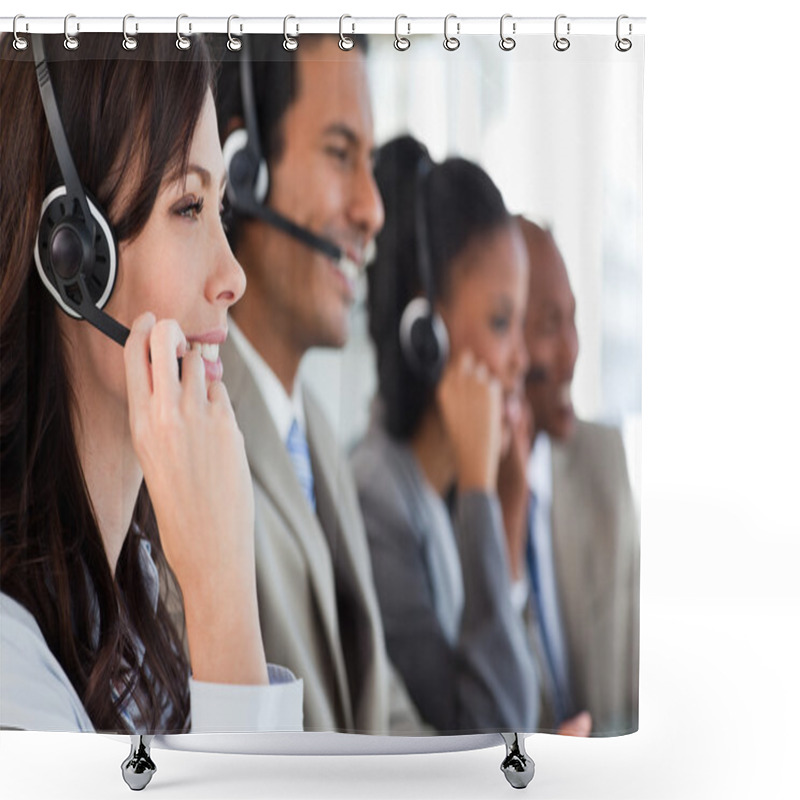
x=36 y=694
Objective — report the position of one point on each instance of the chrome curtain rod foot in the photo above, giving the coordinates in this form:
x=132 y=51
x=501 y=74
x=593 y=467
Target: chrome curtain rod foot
x=517 y=766
x=138 y=768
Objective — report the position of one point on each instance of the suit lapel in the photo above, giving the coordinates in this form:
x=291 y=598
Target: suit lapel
x=272 y=469
x=341 y=525
x=564 y=499
x=574 y=581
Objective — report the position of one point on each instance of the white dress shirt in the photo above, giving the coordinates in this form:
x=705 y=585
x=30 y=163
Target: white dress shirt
x=283 y=408
x=36 y=694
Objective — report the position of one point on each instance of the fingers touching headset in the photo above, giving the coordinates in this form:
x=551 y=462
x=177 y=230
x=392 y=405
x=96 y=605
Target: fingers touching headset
x=192 y=455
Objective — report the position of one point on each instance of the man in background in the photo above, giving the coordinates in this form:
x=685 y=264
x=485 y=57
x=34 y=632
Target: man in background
x=301 y=245
x=583 y=543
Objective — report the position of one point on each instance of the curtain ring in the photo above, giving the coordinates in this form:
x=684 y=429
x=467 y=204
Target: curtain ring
x=623 y=45
x=507 y=42
x=19 y=42
x=289 y=42
x=401 y=43
x=561 y=43
x=182 y=43
x=345 y=42
x=451 y=42
x=70 y=42
x=129 y=42
x=234 y=44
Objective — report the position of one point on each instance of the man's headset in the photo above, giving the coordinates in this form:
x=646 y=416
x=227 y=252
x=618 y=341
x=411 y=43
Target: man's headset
x=76 y=249
x=423 y=334
x=248 y=176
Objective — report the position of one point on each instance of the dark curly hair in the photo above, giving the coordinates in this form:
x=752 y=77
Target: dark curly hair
x=461 y=202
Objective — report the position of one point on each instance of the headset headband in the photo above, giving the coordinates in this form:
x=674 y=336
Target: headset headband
x=424 y=169
x=57 y=134
x=249 y=100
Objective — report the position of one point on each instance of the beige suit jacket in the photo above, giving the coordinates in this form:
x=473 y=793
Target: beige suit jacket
x=317 y=603
x=596 y=554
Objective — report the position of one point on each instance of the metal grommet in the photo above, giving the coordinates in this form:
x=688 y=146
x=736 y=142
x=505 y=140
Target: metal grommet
x=561 y=43
x=289 y=42
x=401 y=43
x=70 y=42
x=507 y=42
x=234 y=44
x=129 y=42
x=182 y=43
x=623 y=45
x=345 y=42
x=451 y=42
x=19 y=42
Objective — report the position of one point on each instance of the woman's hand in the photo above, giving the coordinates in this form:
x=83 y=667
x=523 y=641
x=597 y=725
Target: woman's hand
x=192 y=455
x=470 y=402
x=512 y=483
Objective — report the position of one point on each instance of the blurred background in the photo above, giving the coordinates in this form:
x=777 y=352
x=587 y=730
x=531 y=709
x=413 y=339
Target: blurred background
x=562 y=140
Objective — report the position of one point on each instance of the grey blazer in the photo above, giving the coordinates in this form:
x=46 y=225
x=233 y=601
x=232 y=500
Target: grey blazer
x=486 y=679
x=317 y=605
x=596 y=554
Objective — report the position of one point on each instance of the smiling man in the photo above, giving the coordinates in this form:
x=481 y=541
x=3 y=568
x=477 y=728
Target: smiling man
x=301 y=245
x=583 y=553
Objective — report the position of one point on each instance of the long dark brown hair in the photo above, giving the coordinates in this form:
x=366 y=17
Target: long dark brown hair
x=119 y=108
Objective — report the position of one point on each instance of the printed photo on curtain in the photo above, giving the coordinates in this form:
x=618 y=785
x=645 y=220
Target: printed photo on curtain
x=321 y=384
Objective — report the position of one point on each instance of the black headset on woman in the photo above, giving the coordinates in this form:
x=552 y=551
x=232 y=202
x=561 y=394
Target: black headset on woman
x=423 y=334
x=76 y=249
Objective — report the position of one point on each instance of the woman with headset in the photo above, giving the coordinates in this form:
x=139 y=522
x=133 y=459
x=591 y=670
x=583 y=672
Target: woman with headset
x=122 y=468
x=446 y=299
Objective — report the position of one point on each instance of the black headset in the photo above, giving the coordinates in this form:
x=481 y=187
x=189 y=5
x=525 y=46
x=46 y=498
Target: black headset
x=76 y=249
x=248 y=174
x=423 y=334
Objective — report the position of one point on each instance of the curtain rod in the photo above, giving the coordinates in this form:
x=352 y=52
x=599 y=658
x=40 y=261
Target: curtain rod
x=297 y=25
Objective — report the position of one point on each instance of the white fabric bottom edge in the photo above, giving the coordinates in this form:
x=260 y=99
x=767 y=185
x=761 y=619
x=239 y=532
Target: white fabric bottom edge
x=304 y=743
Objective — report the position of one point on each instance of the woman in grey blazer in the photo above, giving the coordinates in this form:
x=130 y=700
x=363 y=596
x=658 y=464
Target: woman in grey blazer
x=447 y=295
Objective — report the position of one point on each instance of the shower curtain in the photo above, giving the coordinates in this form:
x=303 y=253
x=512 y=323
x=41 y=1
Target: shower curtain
x=499 y=189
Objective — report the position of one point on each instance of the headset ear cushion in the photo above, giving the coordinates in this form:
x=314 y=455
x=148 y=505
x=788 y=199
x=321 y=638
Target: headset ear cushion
x=424 y=340
x=248 y=179
x=101 y=273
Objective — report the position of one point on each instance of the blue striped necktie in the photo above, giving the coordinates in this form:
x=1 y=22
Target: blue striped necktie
x=297 y=446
